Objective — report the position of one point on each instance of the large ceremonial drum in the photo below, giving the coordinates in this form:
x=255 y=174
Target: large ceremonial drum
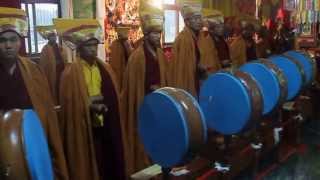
x=231 y=102
x=172 y=126
x=293 y=72
x=308 y=64
x=271 y=81
x=24 y=152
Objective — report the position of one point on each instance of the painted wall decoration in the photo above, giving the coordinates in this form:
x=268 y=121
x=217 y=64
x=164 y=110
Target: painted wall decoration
x=245 y=7
x=122 y=12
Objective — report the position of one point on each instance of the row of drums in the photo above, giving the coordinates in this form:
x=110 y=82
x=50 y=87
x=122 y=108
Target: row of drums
x=173 y=125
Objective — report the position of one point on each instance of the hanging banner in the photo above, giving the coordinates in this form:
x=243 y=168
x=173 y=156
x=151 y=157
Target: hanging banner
x=84 y=8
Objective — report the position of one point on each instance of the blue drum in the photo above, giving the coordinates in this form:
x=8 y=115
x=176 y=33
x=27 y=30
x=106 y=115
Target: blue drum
x=231 y=102
x=171 y=126
x=24 y=148
x=271 y=82
x=309 y=65
x=293 y=72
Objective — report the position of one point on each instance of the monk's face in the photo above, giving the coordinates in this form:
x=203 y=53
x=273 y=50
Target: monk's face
x=216 y=28
x=248 y=31
x=154 y=38
x=89 y=49
x=52 y=38
x=10 y=43
x=194 y=22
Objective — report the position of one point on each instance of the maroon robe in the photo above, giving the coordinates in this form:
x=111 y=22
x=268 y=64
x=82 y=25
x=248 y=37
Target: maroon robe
x=108 y=139
x=152 y=76
x=251 y=50
x=13 y=91
x=222 y=49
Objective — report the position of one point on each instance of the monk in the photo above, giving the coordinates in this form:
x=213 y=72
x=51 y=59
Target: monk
x=121 y=49
x=24 y=86
x=51 y=61
x=90 y=116
x=214 y=50
x=187 y=70
x=243 y=47
x=146 y=72
x=262 y=43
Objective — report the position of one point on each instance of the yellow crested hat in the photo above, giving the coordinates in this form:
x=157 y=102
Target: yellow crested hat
x=123 y=31
x=212 y=15
x=12 y=19
x=152 y=18
x=190 y=7
x=78 y=31
x=46 y=31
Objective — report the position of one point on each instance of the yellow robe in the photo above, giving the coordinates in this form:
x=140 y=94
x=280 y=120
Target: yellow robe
x=76 y=124
x=133 y=93
x=184 y=63
x=39 y=92
x=118 y=60
x=48 y=64
x=208 y=53
x=238 y=52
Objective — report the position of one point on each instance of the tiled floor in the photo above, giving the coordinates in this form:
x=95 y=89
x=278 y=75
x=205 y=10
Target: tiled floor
x=303 y=166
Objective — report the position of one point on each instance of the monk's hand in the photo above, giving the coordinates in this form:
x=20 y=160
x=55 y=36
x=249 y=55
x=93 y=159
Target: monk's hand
x=98 y=108
x=226 y=63
x=154 y=87
x=96 y=99
x=203 y=74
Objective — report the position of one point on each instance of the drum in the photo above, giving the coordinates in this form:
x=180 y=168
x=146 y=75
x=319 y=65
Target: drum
x=171 y=126
x=271 y=81
x=309 y=65
x=24 y=152
x=231 y=102
x=293 y=72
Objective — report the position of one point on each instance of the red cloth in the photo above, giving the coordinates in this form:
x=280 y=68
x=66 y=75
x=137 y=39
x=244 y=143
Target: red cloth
x=152 y=71
x=13 y=92
x=10 y=3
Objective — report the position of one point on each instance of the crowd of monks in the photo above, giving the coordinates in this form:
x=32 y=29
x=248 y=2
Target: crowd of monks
x=88 y=107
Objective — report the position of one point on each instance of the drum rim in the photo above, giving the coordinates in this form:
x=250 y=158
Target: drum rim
x=19 y=130
x=300 y=69
x=283 y=85
x=196 y=140
x=228 y=73
x=256 y=100
x=313 y=65
x=180 y=112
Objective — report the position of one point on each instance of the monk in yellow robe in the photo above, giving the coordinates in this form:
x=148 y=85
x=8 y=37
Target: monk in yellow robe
x=89 y=96
x=121 y=49
x=243 y=47
x=263 y=43
x=214 y=50
x=186 y=69
x=51 y=61
x=24 y=86
x=146 y=71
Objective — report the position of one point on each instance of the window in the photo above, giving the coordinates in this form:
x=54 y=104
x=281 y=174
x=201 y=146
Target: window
x=39 y=13
x=173 y=21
